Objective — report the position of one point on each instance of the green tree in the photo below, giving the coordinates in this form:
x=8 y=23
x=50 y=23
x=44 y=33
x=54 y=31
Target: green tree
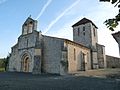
x=2 y=64
x=113 y=22
x=6 y=61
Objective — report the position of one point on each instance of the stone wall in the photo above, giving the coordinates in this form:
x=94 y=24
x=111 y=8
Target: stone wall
x=77 y=56
x=26 y=45
x=86 y=34
x=94 y=36
x=94 y=60
x=101 y=56
x=83 y=36
x=14 y=59
x=52 y=54
x=112 y=62
x=28 y=40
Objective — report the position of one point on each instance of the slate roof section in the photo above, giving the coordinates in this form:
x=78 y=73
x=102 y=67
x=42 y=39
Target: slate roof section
x=84 y=21
x=29 y=19
x=115 y=35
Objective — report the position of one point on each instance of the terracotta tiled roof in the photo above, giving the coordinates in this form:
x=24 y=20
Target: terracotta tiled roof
x=84 y=21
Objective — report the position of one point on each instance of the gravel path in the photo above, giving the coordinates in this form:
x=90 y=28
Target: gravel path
x=27 y=81
x=103 y=73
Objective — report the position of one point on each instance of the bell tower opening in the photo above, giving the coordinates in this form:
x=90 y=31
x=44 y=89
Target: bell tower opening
x=29 y=26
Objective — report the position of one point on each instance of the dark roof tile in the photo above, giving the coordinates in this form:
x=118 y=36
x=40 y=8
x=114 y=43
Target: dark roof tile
x=83 y=21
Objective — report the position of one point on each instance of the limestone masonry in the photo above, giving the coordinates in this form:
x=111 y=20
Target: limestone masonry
x=37 y=53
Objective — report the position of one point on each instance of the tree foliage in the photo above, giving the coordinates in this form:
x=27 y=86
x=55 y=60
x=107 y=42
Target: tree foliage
x=114 y=22
x=2 y=64
x=7 y=61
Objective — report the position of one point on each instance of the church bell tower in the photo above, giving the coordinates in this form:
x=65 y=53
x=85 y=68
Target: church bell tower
x=85 y=33
x=29 y=26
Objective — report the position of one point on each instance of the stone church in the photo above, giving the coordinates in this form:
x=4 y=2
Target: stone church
x=37 y=53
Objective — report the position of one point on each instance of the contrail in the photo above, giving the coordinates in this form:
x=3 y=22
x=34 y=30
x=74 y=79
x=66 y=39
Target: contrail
x=61 y=15
x=43 y=9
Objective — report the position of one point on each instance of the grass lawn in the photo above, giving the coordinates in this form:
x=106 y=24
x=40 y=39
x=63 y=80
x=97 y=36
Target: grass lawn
x=2 y=69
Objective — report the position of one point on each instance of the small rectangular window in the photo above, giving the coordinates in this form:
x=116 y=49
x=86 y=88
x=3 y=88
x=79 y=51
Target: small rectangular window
x=102 y=50
x=25 y=30
x=94 y=31
x=83 y=28
x=84 y=31
x=27 y=42
x=78 y=31
x=74 y=54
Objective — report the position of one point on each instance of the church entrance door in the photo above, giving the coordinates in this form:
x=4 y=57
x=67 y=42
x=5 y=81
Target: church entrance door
x=25 y=64
x=83 y=62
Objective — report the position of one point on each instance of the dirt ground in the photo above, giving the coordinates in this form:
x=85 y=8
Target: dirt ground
x=103 y=73
x=90 y=80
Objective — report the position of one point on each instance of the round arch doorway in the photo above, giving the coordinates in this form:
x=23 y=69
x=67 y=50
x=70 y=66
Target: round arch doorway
x=25 y=63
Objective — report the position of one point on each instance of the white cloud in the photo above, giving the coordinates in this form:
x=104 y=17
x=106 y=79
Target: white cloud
x=60 y=16
x=44 y=8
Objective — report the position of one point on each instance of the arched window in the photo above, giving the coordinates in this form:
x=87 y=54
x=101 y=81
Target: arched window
x=25 y=29
x=74 y=54
x=30 y=27
x=94 y=32
x=84 y=30
x=78 y=31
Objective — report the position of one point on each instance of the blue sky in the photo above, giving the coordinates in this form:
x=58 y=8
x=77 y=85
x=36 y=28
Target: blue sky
x=55 y=18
